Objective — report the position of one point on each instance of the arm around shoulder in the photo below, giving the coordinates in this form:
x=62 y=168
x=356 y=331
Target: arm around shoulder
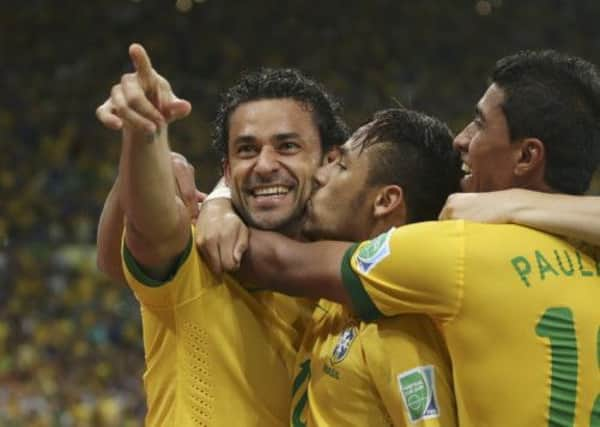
x=566 y=215
x=311 y=270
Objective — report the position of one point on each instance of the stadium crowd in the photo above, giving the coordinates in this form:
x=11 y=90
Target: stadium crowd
x=70 y=352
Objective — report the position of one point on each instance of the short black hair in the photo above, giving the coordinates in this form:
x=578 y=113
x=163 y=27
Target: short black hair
x=556 y=98
x=280 y=83
x=414 y=151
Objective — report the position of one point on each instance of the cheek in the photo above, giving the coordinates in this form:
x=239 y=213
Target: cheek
x=238 y=173
x=479 y=151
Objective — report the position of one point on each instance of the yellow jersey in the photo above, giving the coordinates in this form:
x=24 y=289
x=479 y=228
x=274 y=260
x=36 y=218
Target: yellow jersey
x=216 y=354
x=395 y=371
x=519 y=309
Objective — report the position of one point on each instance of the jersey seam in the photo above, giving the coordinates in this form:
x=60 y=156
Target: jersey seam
x=460 y=276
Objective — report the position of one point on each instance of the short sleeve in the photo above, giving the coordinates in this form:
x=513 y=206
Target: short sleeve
x=416 y=268
x=186 y=281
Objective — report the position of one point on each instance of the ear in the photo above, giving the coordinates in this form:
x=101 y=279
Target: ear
x=388 y=200
x=532 y=156
x=226 y=172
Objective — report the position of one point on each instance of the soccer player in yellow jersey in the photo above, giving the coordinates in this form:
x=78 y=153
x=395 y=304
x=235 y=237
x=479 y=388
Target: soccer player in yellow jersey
x=216 y=354
x=393 y=371
x=517 y=307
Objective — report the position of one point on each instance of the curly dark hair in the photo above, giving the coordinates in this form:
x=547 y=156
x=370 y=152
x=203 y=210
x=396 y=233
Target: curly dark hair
x=270 y=83
x=414 y=151
x=556 y=98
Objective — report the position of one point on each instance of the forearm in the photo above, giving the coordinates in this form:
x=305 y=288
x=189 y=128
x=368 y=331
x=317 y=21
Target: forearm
x=571 y=216
x=157 y=223
x=108 y=239
x=148 y=192
x=311 y=270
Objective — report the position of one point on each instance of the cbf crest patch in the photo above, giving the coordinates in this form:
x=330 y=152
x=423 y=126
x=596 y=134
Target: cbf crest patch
x=417 y=388
x=341 y=349
x=373 y=252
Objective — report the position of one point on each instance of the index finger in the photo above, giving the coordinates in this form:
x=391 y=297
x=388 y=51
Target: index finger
x=142 y=64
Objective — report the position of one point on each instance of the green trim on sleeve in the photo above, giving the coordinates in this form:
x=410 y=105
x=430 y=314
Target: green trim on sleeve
x=361 y=301
x=138 y=271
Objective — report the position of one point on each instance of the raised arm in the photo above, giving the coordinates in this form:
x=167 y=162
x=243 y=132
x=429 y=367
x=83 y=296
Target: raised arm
x=110 y=225
x=311 y=270
x=123 y=105
x=108 y=239
x=572 y=216
x=157 y=221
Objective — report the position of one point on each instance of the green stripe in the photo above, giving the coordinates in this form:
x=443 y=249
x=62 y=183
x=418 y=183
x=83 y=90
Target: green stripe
x=302 y=376
x=361 y=302
x=139 y=274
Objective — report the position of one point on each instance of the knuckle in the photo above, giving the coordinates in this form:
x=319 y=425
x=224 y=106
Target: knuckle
x=115 y=89
x=177 y=156
x=126 y=78
x=121 y=109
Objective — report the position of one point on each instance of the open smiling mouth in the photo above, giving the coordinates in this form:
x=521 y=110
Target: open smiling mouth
x=272 y=191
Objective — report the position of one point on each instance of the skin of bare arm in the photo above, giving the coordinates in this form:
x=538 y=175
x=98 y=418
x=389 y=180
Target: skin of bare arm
x=110 y=225
x=571 y=216
x=130 y=105
x=295 y=268
x=157 y=221
x=223 y=236
x=108 y=239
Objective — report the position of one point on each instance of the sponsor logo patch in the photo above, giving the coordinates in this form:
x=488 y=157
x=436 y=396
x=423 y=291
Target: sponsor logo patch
x=340 y=351
x=373 y=252
x=417 y=388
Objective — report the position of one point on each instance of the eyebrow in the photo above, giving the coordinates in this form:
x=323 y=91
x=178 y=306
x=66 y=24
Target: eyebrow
x=244 y=139
x=288 y=135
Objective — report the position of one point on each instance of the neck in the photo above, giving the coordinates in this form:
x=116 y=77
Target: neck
x=540 y=187
x=384 y=225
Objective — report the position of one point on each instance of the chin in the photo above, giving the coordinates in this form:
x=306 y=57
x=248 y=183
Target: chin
x=274 y=222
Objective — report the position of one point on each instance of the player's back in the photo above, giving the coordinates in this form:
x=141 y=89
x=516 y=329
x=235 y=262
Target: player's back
x=525 y=340
x=518 y=309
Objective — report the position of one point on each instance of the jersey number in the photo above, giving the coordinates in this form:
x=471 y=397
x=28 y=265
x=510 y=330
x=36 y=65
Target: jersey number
x=302 y=377
x=558 y=326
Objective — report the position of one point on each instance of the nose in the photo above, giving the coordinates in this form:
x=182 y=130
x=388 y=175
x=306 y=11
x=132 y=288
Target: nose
x=462 y=140
x=267 y=161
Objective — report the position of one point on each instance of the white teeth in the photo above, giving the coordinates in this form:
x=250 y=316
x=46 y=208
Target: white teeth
x=466 y=168
x=271 y=191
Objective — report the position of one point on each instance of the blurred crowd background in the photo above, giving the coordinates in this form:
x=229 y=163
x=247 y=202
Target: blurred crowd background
x=70 y=340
